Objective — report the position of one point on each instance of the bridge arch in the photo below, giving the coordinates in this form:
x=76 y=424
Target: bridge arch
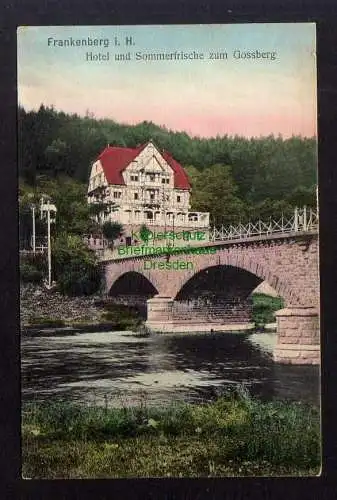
x=132 y=289
x=242 y=263
x=132 y=282
x=219 y=280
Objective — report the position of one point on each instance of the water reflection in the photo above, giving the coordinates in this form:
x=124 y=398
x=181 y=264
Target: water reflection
x=118 y=365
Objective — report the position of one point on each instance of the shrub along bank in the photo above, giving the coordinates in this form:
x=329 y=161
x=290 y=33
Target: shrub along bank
x=264 y=308
x=232 y=436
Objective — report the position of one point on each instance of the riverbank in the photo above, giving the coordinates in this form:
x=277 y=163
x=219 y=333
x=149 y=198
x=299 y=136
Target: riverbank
x=45 y=330
x=230 y=437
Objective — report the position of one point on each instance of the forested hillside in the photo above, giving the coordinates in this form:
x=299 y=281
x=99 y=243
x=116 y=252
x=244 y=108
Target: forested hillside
x=234 y=178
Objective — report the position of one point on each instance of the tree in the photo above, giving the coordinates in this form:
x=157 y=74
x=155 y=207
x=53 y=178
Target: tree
x=75 y=266
x=56 y=155
x=111 y=230
x=70 y=197
x=101 y=208
x=271 y=209
x=302 y=196
x=214 y=191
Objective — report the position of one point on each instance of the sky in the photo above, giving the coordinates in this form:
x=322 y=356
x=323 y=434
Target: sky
x=205 y=97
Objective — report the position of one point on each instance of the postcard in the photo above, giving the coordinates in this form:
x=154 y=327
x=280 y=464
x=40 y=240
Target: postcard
x=169 y=274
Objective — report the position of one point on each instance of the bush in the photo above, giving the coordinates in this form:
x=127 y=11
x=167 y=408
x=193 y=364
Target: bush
x=32 y=267
x=111 y=230
x=76 y=280
x=75 y=266
x=264 y=308
x=30 y=274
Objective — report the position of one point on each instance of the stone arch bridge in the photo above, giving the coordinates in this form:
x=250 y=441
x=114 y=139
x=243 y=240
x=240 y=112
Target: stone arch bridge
x=212 y=291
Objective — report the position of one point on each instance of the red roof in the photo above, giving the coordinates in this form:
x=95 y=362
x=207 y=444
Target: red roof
x=115 y=159
x=180 y=176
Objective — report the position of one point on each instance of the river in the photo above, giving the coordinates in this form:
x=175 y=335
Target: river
x=122 y=368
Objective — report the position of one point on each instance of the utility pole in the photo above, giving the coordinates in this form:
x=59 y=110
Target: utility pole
x=49 y=249
x=34 y=233
x=47 y=208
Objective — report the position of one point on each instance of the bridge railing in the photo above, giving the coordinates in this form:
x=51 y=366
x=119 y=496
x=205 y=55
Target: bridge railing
x=302 y=220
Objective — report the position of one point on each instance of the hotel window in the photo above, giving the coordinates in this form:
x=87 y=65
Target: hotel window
x=135 y=195
x=134 y=177
x=152 y=196
x=178 y=199
x=117 y=194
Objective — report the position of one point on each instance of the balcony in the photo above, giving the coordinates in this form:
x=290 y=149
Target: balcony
x=151 y=215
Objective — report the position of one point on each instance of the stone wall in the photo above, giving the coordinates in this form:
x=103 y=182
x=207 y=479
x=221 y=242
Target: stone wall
x=224 y=312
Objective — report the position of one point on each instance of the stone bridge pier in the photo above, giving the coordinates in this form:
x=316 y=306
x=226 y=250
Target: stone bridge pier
x=167 y=314
x=298 y=335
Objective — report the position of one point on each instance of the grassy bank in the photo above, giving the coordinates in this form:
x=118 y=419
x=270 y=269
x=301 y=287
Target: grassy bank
x=232 y=436
x=264 y=308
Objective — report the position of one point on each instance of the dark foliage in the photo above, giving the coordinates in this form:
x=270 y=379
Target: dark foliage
x=75 y=266
x=257 y=177
x=111 y=230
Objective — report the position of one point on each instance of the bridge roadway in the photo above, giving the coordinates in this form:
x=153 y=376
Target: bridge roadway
x=214 y=291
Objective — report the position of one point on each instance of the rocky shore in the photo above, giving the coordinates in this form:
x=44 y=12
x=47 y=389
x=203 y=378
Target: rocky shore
x=39 y=305
x=47 y=312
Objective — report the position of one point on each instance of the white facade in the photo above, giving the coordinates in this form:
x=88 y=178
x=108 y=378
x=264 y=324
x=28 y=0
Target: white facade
x=148 y=196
